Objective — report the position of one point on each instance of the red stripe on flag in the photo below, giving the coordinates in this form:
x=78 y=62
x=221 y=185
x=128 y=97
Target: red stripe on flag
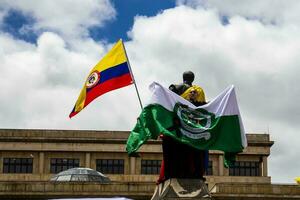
x=72 y=114
x=109 y=85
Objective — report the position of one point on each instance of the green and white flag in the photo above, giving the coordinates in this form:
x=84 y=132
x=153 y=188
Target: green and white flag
x=216 y=125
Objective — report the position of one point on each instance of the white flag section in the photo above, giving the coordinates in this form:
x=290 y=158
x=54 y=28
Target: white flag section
x=225 y=104
x=216 y=125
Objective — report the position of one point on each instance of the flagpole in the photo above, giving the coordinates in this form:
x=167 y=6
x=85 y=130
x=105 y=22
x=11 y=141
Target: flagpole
x=130 y=70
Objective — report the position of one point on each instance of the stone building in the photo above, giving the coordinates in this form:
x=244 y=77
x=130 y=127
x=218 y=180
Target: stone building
x=28 y=159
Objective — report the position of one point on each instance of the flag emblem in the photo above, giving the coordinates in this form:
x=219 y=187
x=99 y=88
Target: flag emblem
x=93 y=79
x=194 y=123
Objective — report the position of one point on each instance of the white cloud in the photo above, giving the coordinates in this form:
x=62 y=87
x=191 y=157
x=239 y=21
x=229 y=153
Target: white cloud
x=267 y=11
x=67 y=17
x=40 y=84
x=243 y=50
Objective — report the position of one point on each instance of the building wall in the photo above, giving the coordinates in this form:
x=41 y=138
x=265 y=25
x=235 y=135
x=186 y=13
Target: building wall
x=87 y=146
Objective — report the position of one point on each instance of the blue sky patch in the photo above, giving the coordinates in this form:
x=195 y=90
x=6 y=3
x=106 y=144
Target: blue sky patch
x=19 y=26
x=224 y=20
x=126 y=11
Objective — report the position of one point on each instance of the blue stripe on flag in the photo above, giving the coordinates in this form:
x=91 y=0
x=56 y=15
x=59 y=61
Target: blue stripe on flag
x=113 y=72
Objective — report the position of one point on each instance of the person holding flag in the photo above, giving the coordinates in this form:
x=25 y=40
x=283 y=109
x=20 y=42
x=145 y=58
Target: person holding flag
x=189 y=127
x=216 y=125
x=189 y=162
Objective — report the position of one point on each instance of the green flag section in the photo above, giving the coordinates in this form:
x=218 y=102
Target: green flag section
x=213 y=126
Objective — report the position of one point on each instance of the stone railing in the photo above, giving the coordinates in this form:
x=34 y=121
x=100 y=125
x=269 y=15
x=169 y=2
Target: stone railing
x=255 y=191
x=46 y=190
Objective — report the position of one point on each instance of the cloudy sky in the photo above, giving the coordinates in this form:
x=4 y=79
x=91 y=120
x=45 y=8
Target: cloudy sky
x=47 y=49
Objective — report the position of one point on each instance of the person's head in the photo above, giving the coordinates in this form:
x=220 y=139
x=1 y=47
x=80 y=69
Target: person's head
x=188 y=77
x=193 y=95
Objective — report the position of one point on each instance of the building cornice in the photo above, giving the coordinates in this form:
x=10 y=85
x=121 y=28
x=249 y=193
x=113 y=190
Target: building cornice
x=92 y=136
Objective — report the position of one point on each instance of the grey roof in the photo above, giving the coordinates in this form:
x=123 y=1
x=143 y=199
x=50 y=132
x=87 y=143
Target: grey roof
x=81 y=175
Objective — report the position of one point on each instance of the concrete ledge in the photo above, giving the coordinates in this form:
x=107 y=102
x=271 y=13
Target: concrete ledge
x=44 y=190
x=140 y=190
x=255 y=191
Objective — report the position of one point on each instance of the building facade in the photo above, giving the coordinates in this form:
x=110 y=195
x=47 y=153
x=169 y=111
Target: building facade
x=33 y=156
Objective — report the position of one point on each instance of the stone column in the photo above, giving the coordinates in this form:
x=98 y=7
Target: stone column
x=221 y=166
x=41 y=162
x=132 y=161
x=264 y=166
x=88 y=160
x=1 y=164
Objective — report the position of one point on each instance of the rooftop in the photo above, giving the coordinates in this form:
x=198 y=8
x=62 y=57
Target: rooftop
x=47 y=135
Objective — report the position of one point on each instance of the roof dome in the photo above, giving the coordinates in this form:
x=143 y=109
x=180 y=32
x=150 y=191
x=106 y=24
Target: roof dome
x=80 y=175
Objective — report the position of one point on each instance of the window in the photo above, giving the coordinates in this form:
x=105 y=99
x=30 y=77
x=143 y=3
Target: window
x=245 y=168
x=209 y=170
x=151 y=166
x=17 y=165
x=60 y=164
x=110 y=166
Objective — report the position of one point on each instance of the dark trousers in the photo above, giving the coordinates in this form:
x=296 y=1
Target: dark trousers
x=181 y=160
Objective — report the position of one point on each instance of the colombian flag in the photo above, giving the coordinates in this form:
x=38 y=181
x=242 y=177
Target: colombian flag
x=112 y=72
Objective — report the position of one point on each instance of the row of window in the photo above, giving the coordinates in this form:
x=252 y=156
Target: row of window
x=25 y=165
x=61 y=164
x=245 y=168
x=17 y=165
x=116 y=166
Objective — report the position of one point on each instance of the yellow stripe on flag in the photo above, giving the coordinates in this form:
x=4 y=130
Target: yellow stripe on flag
x=114 y=57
